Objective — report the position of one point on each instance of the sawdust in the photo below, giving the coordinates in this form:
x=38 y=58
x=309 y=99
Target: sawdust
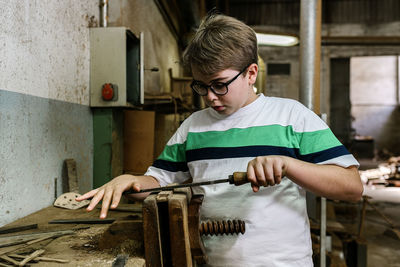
x=87 y=247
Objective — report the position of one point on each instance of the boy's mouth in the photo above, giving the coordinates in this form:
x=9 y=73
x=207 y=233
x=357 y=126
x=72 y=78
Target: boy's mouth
x=218 y=108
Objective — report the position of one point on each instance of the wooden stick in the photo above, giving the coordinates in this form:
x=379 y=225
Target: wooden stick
x=40 y=239
x=11 y=249
x=5 y=265
x=6 y=258
x=40 y=258
x=18 y=239
x=48 y=235
x=12 y=229
x=31 y=257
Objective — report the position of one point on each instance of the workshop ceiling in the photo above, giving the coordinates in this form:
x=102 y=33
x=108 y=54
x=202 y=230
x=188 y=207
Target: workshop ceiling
x=183 y=16
x=287 y=12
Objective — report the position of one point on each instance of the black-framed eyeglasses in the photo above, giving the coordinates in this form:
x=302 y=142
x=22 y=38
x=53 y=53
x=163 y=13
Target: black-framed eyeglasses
x=218 y=88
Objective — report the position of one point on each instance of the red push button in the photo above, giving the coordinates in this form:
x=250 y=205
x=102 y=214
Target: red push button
x=107 y=92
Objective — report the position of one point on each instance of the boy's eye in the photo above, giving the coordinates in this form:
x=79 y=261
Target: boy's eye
x=218 y=86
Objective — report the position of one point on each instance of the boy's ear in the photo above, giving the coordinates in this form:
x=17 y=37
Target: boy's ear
x=252 y=72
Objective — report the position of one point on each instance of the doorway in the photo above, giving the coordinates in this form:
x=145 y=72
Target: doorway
x=364 y=104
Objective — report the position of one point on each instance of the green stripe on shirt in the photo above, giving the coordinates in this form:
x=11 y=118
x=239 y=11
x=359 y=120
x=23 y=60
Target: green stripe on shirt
x=270 y=135
x=259 y=135
x=311 y=142
x=174 y=153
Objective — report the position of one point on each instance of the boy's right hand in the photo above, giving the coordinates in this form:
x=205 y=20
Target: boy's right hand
x=112 y=191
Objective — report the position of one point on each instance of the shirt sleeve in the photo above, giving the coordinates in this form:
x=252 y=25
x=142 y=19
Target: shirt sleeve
x=171 y=165
x=317 y=143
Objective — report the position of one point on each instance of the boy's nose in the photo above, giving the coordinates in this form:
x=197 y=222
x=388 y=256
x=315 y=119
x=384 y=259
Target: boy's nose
x=210 y=95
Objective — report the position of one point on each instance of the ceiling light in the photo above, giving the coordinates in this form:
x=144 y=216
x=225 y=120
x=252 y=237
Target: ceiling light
x=276 y=39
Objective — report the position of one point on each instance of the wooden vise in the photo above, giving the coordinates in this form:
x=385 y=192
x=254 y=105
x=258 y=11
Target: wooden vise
x=172 y=229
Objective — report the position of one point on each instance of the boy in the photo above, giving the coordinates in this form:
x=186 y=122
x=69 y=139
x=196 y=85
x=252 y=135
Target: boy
x=285 y=148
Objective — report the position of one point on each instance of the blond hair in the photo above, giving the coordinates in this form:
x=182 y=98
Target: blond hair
x=220 y=43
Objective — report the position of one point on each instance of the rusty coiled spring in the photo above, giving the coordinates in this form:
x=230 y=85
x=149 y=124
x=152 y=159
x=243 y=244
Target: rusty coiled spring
x=222 y=227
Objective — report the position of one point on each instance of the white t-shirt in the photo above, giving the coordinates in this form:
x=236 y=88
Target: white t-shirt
x=211 y=146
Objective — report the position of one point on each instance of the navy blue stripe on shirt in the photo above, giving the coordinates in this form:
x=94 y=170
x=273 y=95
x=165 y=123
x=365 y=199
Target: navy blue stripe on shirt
x=324 y=155
x=254 y=151
x=237 y=152
x=170 y=166
x=248 y=151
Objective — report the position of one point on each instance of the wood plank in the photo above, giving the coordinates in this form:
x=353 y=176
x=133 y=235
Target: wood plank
x=196 y=243
x=151 y=232
x=179 y=231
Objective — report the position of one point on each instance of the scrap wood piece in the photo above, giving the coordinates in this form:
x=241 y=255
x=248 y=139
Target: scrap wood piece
x=11 y=249
x=70 y=188
x=8 y=241
x=41 y=239
x=70 y=176
x=5 y=265
x=36 y=238
x=18 y=256
x=13 y=229
x=31 y=257
x=7 y=258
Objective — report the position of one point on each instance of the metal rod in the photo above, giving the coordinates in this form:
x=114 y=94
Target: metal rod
x=171 y=187
x=103 y=13
x=323 y=233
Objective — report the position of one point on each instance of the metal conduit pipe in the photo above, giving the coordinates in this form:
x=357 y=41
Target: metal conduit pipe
x=310 y=50
x=310 y=55
x=103 y=5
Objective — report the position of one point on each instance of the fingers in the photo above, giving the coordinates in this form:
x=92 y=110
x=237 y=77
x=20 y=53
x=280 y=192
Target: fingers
x=265 y=171
x=87 y=195
x=96 y=199
x=252 y=177
x=137 y=187
x=106 y=203
x=116 y=198
x=268 y=169
x=277 y=170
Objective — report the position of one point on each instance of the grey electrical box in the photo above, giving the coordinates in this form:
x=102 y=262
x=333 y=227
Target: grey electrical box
x=116 y=67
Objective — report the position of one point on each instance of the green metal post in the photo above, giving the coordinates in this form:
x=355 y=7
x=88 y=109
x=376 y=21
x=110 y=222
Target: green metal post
x=108 y=141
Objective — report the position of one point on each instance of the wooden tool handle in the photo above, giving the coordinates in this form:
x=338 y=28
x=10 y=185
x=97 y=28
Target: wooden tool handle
x=238 y=178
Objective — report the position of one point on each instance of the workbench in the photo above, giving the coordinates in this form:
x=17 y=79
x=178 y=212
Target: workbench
x=90 y=244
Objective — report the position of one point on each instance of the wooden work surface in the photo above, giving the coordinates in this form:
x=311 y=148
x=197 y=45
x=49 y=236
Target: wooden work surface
x=91 y=244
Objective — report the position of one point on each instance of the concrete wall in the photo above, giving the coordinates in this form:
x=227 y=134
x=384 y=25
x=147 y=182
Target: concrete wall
x=45 y=116
x=161 y=49
x=282 y=85
x=44 y=97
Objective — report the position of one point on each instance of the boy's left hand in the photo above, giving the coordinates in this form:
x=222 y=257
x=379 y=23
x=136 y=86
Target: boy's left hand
x=266 y=171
